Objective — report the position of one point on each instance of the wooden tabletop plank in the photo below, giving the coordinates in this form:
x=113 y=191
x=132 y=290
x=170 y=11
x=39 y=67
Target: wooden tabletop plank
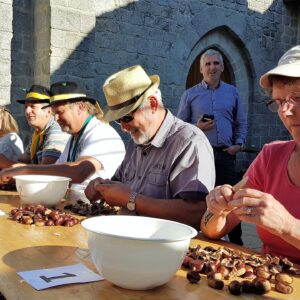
x=27 y=247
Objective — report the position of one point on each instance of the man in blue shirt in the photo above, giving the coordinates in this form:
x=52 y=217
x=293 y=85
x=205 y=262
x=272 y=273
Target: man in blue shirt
x=216 y=108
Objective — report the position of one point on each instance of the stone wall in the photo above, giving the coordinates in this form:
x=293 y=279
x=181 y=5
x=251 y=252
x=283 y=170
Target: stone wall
x=22 y=59
x=88 y=40
x=5 y=50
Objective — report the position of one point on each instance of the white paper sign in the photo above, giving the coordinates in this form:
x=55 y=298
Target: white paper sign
x=46 y=278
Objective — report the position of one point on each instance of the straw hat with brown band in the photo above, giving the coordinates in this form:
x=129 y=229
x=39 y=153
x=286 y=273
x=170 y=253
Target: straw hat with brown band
x=125 y=91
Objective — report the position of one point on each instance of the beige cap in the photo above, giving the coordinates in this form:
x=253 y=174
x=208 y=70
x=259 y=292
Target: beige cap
x=288 y=65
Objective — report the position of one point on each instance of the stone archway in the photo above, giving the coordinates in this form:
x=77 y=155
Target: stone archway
x=238 y=65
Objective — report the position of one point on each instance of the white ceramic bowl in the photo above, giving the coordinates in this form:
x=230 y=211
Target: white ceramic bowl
x=41 y=189
x=136 y=252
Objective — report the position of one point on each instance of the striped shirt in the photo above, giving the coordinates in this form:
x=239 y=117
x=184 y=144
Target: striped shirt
x=53 y=144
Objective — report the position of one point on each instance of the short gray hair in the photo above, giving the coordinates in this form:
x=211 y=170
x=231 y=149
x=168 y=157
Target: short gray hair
x=211 y=52
x=158 y=96
x=90 y=108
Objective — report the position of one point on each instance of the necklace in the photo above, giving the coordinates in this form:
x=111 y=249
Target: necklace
x=72 y=152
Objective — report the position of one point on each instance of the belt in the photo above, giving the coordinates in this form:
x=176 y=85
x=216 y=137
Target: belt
x=219 y=149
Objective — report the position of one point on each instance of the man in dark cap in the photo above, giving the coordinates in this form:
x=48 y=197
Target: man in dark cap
x=168 y=168
x=48 y=141
x=94 y=147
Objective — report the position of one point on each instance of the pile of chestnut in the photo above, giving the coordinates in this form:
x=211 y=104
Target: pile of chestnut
x=40 y=215
x=256 y=273
x=96 y=208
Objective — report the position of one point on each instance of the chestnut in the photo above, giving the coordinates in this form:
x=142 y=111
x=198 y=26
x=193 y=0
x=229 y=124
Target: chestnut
x=17 y=216
x=261 y=286
x=58 y=221
x=249 y=275
x=214 y=275
x=215 y=284
x=27 y=220
x=247 y=286
x=223 y=270
x=13 y=211
x=240 y=271
x=210 y=267
x=261 y=273
x=39 y=222
x=284 y=278
x=235 y=287
x=197 y=265
x=187 y=262
x=283 y=288
x=193 y=277
x=49 y=222
x=249 y=268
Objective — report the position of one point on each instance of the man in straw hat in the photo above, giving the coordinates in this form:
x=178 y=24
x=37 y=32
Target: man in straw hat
x=48 y=141
x=168 y=167
x=94 y=147
x=271 y=197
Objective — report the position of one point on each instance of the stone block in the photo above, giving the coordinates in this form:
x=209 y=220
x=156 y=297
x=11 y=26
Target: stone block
x=5 y=81
x=64 y=3
x=73 y=40
x=82 y=70
x=65 y=19
x=23 y=68
x=5 y=55
x=83 y=6
x=88 y=22
x=107 y=25
x=5 y=67
x=5 y=94
x=58 y=38
x=5 y=17
x=134 y=30
x=22 y=22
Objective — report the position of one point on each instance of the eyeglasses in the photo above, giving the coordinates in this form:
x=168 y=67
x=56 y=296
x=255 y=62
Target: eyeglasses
x=282 y=104
x=128 y=118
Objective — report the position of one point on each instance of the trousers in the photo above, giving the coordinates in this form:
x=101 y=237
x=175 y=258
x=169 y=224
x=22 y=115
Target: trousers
x=226 y=173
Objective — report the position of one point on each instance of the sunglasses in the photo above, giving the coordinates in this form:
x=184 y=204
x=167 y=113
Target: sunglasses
x=128 y=118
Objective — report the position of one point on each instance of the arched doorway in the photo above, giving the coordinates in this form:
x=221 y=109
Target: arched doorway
x=194 y=75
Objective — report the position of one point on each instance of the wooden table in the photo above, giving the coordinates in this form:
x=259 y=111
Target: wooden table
x=26 y=247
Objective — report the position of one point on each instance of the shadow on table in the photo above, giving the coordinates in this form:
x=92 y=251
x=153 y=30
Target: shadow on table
x=40 y=257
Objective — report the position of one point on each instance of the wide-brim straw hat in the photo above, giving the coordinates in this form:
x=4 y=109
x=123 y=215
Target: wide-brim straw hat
x=36 y=94
x=288 y=65
x=125 y=91
x=68 y=91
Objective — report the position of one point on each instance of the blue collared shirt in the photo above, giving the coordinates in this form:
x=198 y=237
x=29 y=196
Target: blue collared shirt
x=226 y=106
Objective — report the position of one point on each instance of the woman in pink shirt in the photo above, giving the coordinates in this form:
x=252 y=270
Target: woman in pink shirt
x=271 y=197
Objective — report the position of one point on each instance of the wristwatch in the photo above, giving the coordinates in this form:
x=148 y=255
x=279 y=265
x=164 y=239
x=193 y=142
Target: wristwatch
x=131 y=202
x=242 y=146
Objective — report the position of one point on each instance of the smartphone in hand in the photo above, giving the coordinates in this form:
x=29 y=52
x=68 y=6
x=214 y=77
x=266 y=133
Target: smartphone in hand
x=207 y=117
